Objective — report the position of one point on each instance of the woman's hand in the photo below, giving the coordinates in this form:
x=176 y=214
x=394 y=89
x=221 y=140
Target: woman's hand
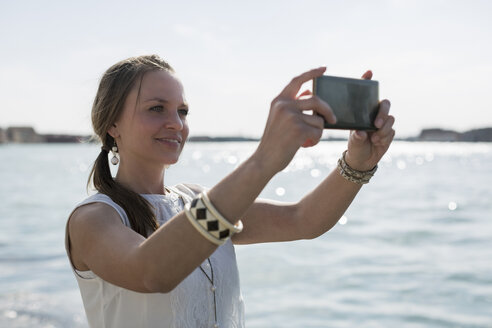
x=365 y=149
x=288 y=128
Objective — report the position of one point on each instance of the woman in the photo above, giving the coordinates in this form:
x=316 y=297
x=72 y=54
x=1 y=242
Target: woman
x=139 y=259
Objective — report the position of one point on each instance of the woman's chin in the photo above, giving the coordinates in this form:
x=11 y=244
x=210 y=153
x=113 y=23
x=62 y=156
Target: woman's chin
x=170 y=162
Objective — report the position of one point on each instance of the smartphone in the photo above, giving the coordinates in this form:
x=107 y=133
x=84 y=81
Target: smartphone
x=355 y=102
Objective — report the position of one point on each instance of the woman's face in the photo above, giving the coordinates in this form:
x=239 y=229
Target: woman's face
x=153 y=127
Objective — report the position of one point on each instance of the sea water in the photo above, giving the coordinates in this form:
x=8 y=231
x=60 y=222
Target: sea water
x=413 y=250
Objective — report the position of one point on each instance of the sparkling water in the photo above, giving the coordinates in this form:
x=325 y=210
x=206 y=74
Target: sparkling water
x=413 y=250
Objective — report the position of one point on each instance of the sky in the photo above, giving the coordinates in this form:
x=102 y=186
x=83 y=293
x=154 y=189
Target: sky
x=433 y=59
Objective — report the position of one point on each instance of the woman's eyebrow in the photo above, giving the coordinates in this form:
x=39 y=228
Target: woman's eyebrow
x=164 y=101
x=157 y=99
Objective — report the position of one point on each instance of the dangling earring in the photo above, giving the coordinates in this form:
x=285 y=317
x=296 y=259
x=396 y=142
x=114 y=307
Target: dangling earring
x=114 y=150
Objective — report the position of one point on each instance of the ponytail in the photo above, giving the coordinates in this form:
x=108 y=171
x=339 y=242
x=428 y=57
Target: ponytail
x=139 y=211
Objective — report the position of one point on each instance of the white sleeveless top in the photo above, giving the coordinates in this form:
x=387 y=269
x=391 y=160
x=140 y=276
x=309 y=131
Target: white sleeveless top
x=190 y=304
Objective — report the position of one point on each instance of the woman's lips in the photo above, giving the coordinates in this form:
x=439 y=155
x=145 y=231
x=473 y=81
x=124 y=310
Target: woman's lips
x=169 y=142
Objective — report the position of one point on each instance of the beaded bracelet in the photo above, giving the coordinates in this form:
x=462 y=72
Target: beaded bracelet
x=359 y=177
x=209 y=222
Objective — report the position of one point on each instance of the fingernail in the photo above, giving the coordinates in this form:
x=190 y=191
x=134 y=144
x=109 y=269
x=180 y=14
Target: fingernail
x=378 y=123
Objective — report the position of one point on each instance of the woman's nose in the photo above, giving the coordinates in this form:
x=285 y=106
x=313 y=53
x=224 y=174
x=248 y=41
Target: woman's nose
x=174 y=121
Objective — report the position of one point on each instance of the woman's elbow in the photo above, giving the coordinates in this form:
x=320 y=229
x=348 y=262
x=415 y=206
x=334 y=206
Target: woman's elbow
x=154 y=280
x=304 y=226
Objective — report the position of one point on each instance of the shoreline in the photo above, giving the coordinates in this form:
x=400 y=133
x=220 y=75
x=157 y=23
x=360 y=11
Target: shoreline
x=27 y=134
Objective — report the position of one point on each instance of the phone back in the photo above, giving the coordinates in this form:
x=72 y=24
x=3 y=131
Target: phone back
x=355 y=102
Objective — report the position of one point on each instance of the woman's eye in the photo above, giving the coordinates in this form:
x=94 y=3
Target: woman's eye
x=183 y=111
x=157 y=109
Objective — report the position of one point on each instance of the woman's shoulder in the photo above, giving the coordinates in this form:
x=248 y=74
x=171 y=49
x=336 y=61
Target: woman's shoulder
x=97 y=197
x=99 y=205
x=93 y=211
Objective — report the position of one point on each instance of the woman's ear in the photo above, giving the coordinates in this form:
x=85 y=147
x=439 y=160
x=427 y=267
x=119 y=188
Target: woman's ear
x=113 y=131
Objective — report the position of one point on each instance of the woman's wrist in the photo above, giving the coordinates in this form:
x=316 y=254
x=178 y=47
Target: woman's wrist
x=357 y=165
x=262 y=162
x=354 y=175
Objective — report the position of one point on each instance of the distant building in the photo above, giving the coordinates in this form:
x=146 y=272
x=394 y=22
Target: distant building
x=3 y=136
x=439 y=135
x=477 y=135
x=23 y=134
x=63 y=138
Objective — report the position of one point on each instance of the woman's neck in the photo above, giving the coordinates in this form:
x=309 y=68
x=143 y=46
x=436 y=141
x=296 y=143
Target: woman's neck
x=142 y=180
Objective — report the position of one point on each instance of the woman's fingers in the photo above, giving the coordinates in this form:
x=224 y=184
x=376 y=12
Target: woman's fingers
x=314 y=121
x=304 y=93
x=384 y=108
x=367 y=75
x=313 y=131
x=307 y=129
x=386 y=140
x=291 y=90
x=384 y=131
x=318 y=106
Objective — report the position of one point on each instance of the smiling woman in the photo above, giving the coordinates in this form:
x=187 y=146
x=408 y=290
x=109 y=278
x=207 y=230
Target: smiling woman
x=153 y=116
x=149 y=255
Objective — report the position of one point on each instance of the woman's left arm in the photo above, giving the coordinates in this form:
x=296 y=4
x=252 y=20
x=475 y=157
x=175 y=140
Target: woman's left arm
x=320 y=210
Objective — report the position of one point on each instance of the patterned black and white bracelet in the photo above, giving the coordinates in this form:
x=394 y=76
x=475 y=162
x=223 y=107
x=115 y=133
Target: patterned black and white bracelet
x=209 y=222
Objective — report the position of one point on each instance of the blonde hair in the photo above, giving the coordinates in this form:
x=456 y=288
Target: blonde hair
x=114 y=87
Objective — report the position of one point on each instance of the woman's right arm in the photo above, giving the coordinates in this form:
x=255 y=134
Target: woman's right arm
x=101 y=243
